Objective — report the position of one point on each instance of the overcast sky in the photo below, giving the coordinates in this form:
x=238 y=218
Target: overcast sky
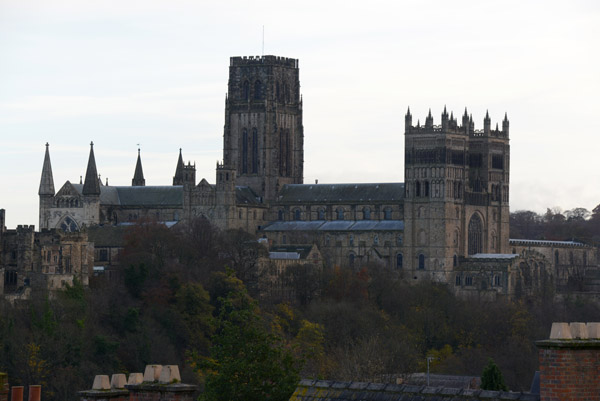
x=154 y=73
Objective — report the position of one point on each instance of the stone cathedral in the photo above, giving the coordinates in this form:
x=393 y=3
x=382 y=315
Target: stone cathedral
x=449 y=220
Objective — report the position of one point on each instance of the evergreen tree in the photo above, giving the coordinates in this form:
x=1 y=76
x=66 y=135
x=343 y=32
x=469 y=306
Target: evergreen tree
x=247 y=362
x=491 y=377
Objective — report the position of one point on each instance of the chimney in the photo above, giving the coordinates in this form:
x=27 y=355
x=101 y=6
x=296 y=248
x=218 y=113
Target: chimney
x=162 y=383
x=104 y=389
x=35 y=392
x=17 y=393
x=570 y=363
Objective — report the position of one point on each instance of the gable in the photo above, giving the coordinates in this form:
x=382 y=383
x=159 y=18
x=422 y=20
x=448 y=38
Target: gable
x=68 y=189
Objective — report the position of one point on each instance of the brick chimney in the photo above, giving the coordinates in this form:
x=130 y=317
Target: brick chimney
x=570 y=363
x=3 y=376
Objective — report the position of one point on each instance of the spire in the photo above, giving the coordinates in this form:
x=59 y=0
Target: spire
x=408 y=112
x=178 y=179
x=138 y=176
x=486 y=123
x=505 y=125
x=91 y=186
x=47 y=182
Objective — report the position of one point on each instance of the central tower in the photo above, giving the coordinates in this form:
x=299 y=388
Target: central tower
x=263 y=137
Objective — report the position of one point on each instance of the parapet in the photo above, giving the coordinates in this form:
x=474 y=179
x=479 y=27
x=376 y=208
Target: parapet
x=270 y=60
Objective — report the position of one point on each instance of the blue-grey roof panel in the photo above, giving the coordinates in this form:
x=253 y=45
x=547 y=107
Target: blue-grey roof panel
x=337 y=225
x=350 y=193
x=150 y=196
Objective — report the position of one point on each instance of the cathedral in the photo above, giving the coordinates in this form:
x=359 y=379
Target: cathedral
x=449 y=220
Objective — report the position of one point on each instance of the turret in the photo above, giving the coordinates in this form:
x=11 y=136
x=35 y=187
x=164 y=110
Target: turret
x=465 y=122
x=226 y=179
x=486 y=123
x=91 y=185
x=505 y=125
x=138 y=177
x=429 y=121
x=444 y=120
x=407 y=121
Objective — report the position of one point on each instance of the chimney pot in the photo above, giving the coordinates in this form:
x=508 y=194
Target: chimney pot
x=17 y=393
x=560 y=331
x=100 y=383
x=578 y=330
x=35 y=392
x=118 y=380
x=169 y=374
x=152 y=373
x=593 y=330
x=135 y=378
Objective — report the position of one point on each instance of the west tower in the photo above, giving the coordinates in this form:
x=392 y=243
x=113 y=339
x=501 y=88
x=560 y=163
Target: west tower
x=263 y=137
x=456 y=200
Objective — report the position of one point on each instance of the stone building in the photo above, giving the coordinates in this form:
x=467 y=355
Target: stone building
x=449 y=220
x=46 y=260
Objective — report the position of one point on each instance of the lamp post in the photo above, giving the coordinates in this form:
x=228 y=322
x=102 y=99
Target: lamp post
x=429 y=359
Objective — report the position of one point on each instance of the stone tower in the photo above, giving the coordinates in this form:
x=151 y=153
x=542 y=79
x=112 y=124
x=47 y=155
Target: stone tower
x=456 y=200
x=263 y=134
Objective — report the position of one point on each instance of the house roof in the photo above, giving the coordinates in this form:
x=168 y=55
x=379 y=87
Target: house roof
x=535 y=242
x=168 y=195
x=346 y=193
x=317 y=390
x=106 y=236
x=336 y=225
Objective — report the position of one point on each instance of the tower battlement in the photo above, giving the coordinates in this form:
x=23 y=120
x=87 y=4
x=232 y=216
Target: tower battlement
x=270 y=60
x=449 y=125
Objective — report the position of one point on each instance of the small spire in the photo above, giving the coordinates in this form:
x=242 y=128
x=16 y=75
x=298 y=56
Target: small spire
x=91 y=186
x=106 y=181
x=178 y=178
x=408 y=111
x=466 y=114
x=47 y=181
x=429 y=115
x=487 y=115
x=496 y=126
x=80 y=180
x=451 y=115
x=505 y=116
x=138 y=176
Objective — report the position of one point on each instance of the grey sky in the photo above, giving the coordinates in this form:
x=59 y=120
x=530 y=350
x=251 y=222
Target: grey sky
x=155 y=73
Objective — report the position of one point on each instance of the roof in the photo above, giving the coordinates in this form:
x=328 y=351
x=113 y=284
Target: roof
x=104 y=236
x=168 y=195
x=534 y=242
x=245 y=195
x=290 y=251
x=315 y=390
x=494 y=256
x=439 y=380
x=336 y=225
x=335 y=193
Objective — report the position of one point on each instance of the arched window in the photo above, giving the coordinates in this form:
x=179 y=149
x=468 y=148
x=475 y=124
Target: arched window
x=366 y=213
x=254 y=151
x=340 y=213
x=556 y=257
x=277 y=95
x=257 y=90
x=457 y=281
x=399 y=261
x=246 y=90
x=426 y=189
x=475 y=235
x=455 y=261
x=69 y=225
x=418 y=189
x=280 y=215
x=376 y=240
x=244 y=151
x=351 y=260
x=421 y=261
x=387 y=213
x=585 y=258
x=571 y=260
x=321 y=214
x=297 y=214
x=351 y=240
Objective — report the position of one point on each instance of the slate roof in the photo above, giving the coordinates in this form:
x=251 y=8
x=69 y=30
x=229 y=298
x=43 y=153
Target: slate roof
x=245 y=196
x=289 y=251
x=336 y=193
x=168 y=195
x=336 y=225
x=317 y=390
x=494 y=256
x=106 y=236
x=535 y=242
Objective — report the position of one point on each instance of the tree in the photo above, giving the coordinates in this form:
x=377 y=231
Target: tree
x=491 y=377
x=247 y=362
